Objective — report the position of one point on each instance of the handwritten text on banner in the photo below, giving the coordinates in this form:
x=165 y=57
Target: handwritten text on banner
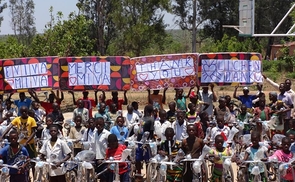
x=26 y=76
x=228 y=71
x=89 y=73
x=165 y=69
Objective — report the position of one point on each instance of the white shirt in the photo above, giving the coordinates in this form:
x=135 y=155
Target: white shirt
x=12 y=110
x=46 y=135
x=55 y=154
x=88 y=135
x=131 y=119
x=101 y=143
x=217 y=131
x=180 y=131
x=138 y=113
x=207 y=97
x=160 y=129
x=39 y=113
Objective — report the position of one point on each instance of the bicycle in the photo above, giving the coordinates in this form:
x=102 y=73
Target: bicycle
x=41 y=173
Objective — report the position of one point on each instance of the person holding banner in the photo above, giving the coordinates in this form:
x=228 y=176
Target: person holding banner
x=245 y=98
x=116 y=100
x=209 y=97
x=48 y=105
x=23 y=100
x=88 y=102
x=156 y=99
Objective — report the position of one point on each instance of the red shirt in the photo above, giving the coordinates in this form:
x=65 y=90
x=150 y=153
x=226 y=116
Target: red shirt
x=117 y=154
x=88 y=104
x=109 y=102
x=48 y=106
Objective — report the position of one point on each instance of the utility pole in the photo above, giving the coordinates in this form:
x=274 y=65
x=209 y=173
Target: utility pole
x=194 y=28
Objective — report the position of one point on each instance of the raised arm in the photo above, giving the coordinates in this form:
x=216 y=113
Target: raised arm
x=125 y=98
x=73 y=97
x=189 y=92
x=213 y=93
x=34 y=95
x=96 y=98
x=164 y=96
x=57 y=96
x=235 y=92
x=272 y=83
x=149 y=96
x=31 y=136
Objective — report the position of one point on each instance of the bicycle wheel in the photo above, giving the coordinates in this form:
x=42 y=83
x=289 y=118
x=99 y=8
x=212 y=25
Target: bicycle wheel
x=228 y=175
x=38 y=176
x=152 y=172
x=71 y=176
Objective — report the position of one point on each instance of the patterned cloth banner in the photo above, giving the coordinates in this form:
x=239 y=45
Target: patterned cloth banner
x=94 y=73
x=230 y=68
x=163 y=71
x=21 y=74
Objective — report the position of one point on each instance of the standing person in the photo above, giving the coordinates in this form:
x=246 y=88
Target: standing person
x=130 y=117
x=134 y=104
x=77 y=133
x=100 y=99
x=209 y=97
x=220 y=129
x=160 y=126
x=39 y=113
x=81 y=111
x=23 y=100
x=48 y=105
x=246 y=99
x=8 y=108
x=14 y=153
x=222 y=110
x=116 y=100
x=171 y=114
x=286 y=98
x=88 y=102
x=58 y=152
x=56 y=115
x=100 y=146
x=180 y=99
x=155 y=99
x=120 y=130
x=45 y=135
x=90 y=132
x=102 y=113
x=179 y=126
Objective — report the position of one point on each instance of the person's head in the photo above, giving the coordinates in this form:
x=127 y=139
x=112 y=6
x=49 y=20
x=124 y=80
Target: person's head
x=31 y=113
x=99 y=124
x=35 y=105
x=282 y=87
x=91 y=123
x=245 y=91
x=227 y=99
x=291 y=136
x=273 y=96
x=85 y=94
x=9 y=114
x=243 y=109
x=51 y=98
x=113 y=108
x=13 y=137
x=80 y=104
x=204 y=116
x=148 y=110
x=221 y=102
x=102 y=108
x=180 y=117
x=129 y=109
x=156 y=92
x=292 y=123
x=24 y=112
x=261 y=102
x=288 y=84
x=255 y=139
x=205 y=89
x=286 y=143
x=8 y=103
x=55 y=107
x=53 y=131
x=22 y=96
x=191 y=130
x=219 y=140
x=179 y=92
x=172 y=106
x=120 y=121
x=162 y=115
x=49 y=121
x=134 y=105
x=192 y=107
x=231 y=106
x=169 y=133
x=193 y=97
x=101 y=98
x=112 y=141
x=220 y=121
x=78 y=120
x=114 y=94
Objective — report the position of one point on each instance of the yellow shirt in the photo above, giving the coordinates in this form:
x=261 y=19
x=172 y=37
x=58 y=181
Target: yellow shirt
x=25 y=128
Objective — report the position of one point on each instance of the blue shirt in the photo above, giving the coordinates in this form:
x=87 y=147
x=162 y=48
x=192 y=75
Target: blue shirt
x=247 y=100
x=10 y=159
x=27 y=102
x=120 y=132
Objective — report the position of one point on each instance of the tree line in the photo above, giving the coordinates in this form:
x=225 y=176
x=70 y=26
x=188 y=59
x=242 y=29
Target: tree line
x=137 y=28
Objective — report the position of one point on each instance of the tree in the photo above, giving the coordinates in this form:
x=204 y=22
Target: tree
x=2 y=7
x=23 y=20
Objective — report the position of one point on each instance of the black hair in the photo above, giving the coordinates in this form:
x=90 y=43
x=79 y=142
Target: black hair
x=218 y=137
x=162 y=111
x=169 y=131
x=190 y=105
x=286 y=139
x=112 y=138
x=98 y=119
x=54 y=126
x=78 y=116
x=149 y=109
x=13 y=132
x=255 y=134
x=134 y=103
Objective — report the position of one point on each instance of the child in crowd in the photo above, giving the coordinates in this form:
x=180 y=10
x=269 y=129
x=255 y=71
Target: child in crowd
x=171 y=114
x=191 y=145
x=134 y=104
x=90 y=132
x=292 y=127
x=218 y=152
x=105 y=115
x=193 y=118
x=114 y=113
x=120 y=130
x=220 y=129
x=180 y=99
x=251 y=154
x=76 y=133
x=130 y=117
x=7 y=118
x=179 y=126
x=160 y=126
x=204 y=120
x=13 y=153
x=46 y=133
x=284 y=155
x=279 y=110
x=7 y=109
x=245 y=117
x=56 y=151
x=115 y=150
x=39 y=113
x=81 y=111
x=174 y=174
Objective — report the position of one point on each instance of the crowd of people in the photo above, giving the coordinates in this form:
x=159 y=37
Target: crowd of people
x=192 y=120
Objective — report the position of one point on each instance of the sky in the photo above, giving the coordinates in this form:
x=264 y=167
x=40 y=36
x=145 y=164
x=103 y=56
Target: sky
x=42 y=14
